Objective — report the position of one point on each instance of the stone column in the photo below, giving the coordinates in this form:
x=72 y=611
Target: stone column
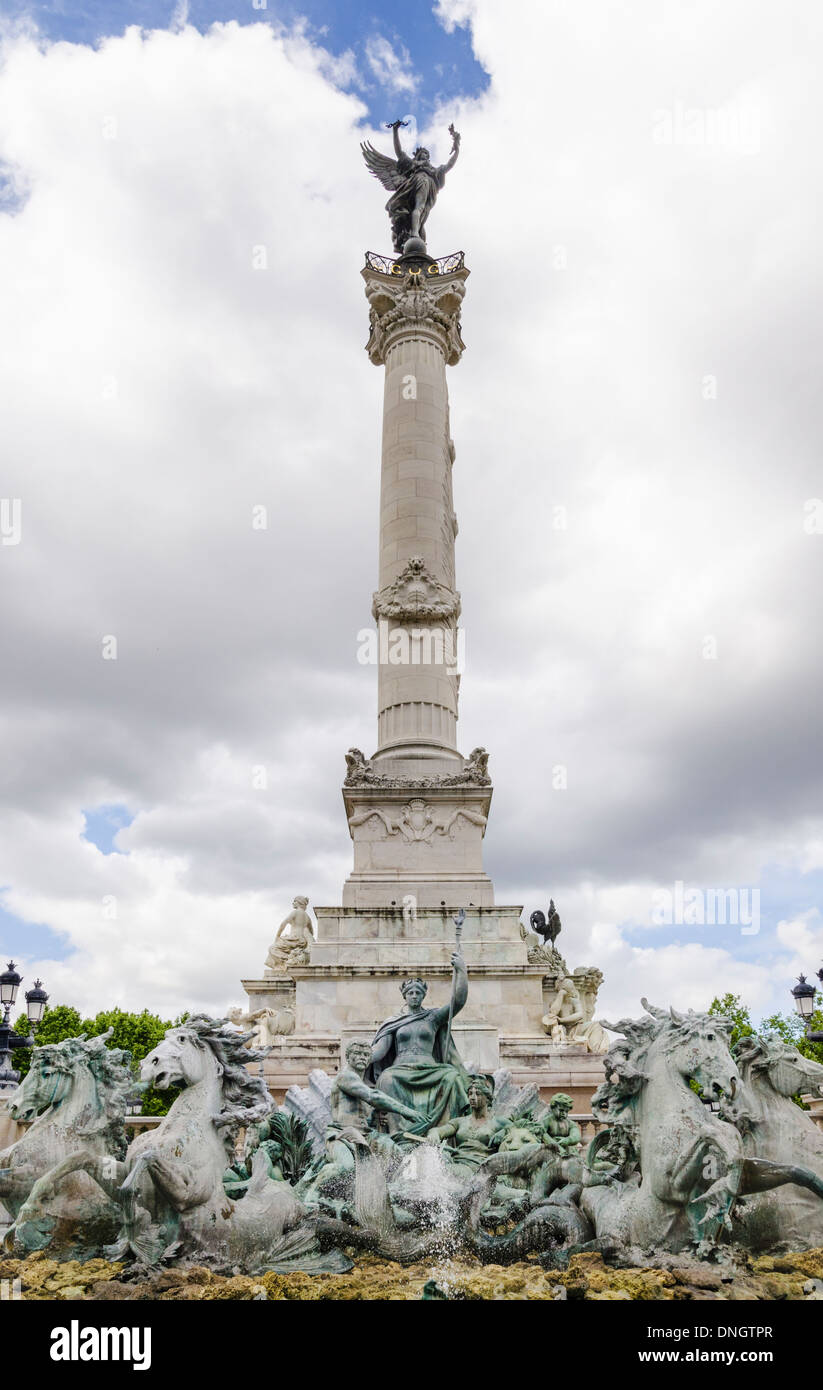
x=415 y=333
x=417 y=809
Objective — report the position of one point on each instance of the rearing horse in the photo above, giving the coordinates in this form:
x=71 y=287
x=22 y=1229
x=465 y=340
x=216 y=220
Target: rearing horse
x=773 y=1127
x=692 y=1162
x=170 y=1185
x=74 y=1097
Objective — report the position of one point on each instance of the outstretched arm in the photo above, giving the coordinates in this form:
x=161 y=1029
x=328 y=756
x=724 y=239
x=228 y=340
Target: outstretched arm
x=378 y=1100
x=460 y=989
x=452 y=159
x=434 y=1136
x=460 y=992
x=398 y=148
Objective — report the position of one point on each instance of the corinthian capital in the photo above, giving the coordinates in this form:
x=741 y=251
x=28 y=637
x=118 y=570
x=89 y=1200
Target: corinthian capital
x=412 y=301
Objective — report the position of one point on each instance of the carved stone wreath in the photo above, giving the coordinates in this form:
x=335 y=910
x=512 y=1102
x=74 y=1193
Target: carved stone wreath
x=415 y=596
x=360 y=773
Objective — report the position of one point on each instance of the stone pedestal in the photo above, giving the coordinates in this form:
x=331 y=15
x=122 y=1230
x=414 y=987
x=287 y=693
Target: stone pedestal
x=536 y=1060
x=423 y=841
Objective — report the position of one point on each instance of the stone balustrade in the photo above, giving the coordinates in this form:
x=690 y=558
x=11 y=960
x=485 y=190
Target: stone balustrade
x=589 y=1127
x=135 y=1124
x=138 y=1124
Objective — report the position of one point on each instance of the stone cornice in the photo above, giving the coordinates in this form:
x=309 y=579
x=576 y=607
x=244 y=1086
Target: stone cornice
x=439 y=913
x=403 y=969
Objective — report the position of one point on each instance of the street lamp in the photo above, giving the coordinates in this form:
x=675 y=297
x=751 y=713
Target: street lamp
x=36 y=999
x=803 y=995
x=9 y=985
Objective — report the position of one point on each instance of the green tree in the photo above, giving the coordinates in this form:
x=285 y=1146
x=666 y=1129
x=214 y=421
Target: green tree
x=58 y=1023
x=790 y=1027
x=731 y=1006
x=138 y=1034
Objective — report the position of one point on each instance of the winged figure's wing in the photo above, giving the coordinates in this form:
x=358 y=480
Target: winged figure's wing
x=313 y=1104
x=384 y=168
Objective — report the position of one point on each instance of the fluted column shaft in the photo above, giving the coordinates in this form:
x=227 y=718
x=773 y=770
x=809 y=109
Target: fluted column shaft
x=415 y=332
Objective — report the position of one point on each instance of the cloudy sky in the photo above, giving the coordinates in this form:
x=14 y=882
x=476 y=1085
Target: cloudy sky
x=183 y=214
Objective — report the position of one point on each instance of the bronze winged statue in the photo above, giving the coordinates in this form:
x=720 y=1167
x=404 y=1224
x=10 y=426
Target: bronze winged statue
x=414 y=183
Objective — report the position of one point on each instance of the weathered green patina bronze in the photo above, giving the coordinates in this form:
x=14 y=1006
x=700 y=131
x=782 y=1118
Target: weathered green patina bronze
x=414 y=1060
x=353 y=1104
x=465 y=1162
x=472 y=1137
x=564 y=1131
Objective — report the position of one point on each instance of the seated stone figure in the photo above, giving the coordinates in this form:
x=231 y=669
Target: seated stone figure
x=352 y=1102
x=570 y=1017
x=414 y=1060
x=293 y=948
x=565 y=1012
x=472 y=1136
x=589 y=979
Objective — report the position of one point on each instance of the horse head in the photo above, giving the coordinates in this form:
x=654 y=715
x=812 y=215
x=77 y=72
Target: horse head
x=181 y=1059
x=697 y=1045
x=204 y=1049
x=78 y=1076
x=771 y=1060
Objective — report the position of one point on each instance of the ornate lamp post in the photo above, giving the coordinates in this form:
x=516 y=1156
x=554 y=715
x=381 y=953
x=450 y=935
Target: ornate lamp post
x=36 y=999
x=803 y=995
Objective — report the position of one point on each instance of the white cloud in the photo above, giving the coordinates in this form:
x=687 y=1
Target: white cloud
x=454 y=13
x=391 y=67
x=180 y=17
x=803 y=936
x=157 y=387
